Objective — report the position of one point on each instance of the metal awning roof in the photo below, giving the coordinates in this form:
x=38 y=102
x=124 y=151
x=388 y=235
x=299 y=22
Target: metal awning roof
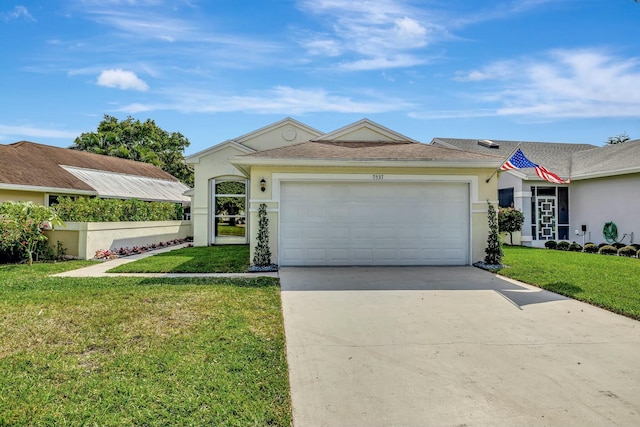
x=124 y=186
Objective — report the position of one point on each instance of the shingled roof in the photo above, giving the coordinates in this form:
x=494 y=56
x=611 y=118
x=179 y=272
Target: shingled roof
x=614 y=159
x=27 y=164
x=556 y=157
x=368 y=151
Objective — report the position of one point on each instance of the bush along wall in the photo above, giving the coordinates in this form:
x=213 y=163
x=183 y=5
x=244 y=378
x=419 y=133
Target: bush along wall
x=114 y=210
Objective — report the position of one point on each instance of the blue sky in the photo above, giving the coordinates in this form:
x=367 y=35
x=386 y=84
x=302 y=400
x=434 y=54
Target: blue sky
x=537 y=70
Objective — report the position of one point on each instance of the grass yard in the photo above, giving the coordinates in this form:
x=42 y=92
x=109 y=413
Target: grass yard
x=610 y=282
x=205 y=259
x=140 y=351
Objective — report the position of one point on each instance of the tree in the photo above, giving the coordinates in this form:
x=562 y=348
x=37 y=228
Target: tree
x=618 y=139
x=493 y=249
x=140 y=141
x=510 y=220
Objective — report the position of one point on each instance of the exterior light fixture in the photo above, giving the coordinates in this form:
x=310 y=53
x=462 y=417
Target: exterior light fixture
x=263 y=185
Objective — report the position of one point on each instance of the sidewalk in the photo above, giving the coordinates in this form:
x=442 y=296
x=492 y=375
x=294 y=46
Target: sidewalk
x=100 y=270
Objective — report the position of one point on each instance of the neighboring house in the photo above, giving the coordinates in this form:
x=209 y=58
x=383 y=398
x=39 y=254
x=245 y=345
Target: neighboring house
x=360 y=195
x=42 y=173
x=604 y=188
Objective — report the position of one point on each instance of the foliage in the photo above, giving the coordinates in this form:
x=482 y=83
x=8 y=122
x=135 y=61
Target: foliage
x=140 y=141
x=262 y=255
x=618 y=139
x=21 y=229
x=551 y=244
x=608 y=250
x=494 y=248
x=575 y=247
x=591 y=248
x=627 y=251
x=563 y=246
x=605 y=281
x=202 y=259
x=510 y=220
x=133 y=351
x=84 y=209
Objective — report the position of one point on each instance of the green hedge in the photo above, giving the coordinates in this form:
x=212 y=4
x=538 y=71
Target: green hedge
x=114 y=210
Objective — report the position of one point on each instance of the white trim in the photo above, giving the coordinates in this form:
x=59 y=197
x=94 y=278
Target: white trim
x=35 y=188
x=364 y=124
x=523 y=194
x=607 y=174
x=195 y=158
x=263 y=201
x=268 y=210
x=286 y=121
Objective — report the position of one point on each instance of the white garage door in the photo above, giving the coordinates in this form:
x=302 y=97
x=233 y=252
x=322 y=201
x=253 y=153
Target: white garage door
x=374 y=224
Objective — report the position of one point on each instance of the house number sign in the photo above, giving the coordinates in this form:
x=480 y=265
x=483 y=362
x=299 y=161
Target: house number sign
x=378 y=177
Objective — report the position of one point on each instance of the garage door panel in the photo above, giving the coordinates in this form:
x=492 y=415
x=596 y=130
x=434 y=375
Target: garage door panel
x=374 y=224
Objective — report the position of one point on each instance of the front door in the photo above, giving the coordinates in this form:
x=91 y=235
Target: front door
x=547 y=217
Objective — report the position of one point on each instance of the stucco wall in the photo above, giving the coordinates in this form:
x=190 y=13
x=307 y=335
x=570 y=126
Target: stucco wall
x=279 y=136
x=22 y=196
x=210 y=166
x=83 y=239
x=594 y=202
x=480 y=193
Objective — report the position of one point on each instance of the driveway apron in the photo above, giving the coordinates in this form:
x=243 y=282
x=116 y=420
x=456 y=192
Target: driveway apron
x=452 y=346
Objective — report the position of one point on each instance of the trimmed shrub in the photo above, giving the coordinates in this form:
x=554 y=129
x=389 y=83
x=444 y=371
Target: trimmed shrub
x=602 y=244
x=627 y=251
x=510 y=220
x=550 y=244
x=637 y=246
x=590 y=248
x=608 y=250
x=94 y=209
x=638 y=253
x=618 y=245
x=575 y=247
x=563 y=246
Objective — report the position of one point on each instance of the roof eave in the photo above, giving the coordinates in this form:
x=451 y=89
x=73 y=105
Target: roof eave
x=606 y=174
x=39 y=189
x=470 y=164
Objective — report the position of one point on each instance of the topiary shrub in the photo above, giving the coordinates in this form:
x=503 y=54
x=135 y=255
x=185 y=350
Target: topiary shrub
x=493 y=250
x=563 y=246
x=551 y=244
x=608 y=250
x=575 y=247
x=602 y=244
x=591 y=248
x=627 y=251
x=618 y=245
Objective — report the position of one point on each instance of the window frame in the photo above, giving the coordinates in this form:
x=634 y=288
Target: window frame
x=215 y=238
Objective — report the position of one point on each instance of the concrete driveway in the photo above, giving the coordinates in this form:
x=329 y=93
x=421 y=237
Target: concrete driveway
x=452 y=346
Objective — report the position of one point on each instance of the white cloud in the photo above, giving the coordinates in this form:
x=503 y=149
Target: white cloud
x=377 y=32
x=17 y=13
x=121 y=79
x=34 y=132
x=278 y=100
x=581 y=83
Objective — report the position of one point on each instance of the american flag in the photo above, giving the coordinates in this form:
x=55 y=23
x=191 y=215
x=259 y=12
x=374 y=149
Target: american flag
x=519 y=161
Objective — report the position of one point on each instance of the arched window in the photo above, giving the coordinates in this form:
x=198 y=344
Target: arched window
x=229 y=208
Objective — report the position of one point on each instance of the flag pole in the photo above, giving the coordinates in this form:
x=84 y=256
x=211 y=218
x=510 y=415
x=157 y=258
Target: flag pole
x=508 y=157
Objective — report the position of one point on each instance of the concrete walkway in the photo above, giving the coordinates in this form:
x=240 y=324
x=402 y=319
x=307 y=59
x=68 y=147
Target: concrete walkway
x=100 y=269
x=441 y=346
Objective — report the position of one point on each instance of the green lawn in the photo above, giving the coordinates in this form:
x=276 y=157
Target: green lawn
x=140 y=351
x=205 y=259
x=610 y=282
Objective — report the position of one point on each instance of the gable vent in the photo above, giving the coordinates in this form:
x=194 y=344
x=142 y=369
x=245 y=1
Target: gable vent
x=488 y=144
